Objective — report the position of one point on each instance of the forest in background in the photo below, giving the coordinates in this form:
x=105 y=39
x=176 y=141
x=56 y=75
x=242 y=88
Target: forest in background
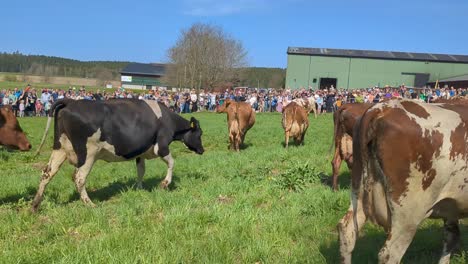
x=110 y=70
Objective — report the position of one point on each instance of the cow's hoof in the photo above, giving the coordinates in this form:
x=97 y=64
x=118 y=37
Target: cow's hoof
x=89 y=203
x=164 y=185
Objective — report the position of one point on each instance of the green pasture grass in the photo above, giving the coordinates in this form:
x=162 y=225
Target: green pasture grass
x=265 y=204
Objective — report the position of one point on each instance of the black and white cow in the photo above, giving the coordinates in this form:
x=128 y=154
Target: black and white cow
x=113 y=130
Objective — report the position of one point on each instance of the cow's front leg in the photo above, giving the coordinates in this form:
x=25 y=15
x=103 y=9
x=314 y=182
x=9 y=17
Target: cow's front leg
x=170 y=165
x=451 y=240
x=140 y=164
x=166 y=156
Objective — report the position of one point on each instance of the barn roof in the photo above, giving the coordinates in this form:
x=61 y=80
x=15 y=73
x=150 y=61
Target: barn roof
x=375 y=54
x=155 y=69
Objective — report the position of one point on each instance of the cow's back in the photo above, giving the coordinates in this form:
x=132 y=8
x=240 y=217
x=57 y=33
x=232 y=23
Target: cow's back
x=127 y=125
x=295 y=118
x=413 y=149
x=244 y=114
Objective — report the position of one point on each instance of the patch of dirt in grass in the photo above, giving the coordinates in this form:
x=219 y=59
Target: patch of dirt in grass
x=38 y=165
x=224 y=199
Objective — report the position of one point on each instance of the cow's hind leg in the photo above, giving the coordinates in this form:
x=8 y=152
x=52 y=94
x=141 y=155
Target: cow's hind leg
x=232 y=141
x=238 y=141
x=451 y=240
x=242 y=138
x=399 y=238
x=348 y=229
x=286 y=139
x=140 y=164
x=336 y=164
x=56 y=160
x=80 y=180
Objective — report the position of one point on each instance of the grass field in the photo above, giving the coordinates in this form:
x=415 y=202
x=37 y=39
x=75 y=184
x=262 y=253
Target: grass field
x=265 y=204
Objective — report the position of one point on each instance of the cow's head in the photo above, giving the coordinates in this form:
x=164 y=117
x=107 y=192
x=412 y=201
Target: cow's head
x=222 y=108
x=192 y=139
x=11 y=134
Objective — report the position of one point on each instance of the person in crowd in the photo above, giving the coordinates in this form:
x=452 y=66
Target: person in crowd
x=21 y=108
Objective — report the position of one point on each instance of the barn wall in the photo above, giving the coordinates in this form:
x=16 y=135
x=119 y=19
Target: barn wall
x=362 y=73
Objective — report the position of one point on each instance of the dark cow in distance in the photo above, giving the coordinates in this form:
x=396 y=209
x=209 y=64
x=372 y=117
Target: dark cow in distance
x=240 y=118
x=114 y=130
x=410 y=163
x=344 y=119
x=11 y=134
x=295 y=123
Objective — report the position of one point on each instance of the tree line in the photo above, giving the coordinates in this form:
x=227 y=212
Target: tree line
x=55 y=66
x=204 y=56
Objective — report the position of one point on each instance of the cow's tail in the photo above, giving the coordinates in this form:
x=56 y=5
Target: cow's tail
x=364 y=135
x=52 y=113
x=288 y=123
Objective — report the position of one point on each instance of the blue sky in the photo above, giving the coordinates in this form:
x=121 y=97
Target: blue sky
x=143 y=31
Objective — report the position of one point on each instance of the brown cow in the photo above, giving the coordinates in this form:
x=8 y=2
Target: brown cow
x=344 y=119
x=240 y=117
x=410 y=163
x=295 y=123
x=11 y=134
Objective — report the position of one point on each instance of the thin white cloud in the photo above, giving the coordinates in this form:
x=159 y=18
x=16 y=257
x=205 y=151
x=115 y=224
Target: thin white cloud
x=221 y=8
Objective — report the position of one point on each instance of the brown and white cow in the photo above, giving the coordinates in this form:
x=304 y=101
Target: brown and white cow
x=11 y=134
x=240 y=118
x=410 y=163
x=308 y=104
x=344 y=119
x=295 y=123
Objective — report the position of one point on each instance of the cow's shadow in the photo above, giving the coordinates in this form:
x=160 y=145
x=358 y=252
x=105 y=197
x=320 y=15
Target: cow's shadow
x=344 y=180
x=425 y=248
x=292 y=143
x=15 y=198
x=241 y=147
x=245 y=146
x=109 y=191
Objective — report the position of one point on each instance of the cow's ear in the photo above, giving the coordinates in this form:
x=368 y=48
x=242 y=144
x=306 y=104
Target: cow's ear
x=193 y=123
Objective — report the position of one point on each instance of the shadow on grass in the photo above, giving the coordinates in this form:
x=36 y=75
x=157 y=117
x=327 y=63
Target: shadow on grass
x=245 y=146
x=292 y=143
x=344 y=180
x=106 y=193
x=15 y=198
x=425 y=248
x=241 y=147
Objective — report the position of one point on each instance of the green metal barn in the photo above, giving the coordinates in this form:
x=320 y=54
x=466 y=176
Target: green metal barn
x=319 y=68
x=142 y=76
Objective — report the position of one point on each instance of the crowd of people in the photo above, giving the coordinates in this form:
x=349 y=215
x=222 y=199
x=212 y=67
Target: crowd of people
x=37 y=102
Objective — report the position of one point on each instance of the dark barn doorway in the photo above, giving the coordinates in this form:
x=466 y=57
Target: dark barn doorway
x=326 y=83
